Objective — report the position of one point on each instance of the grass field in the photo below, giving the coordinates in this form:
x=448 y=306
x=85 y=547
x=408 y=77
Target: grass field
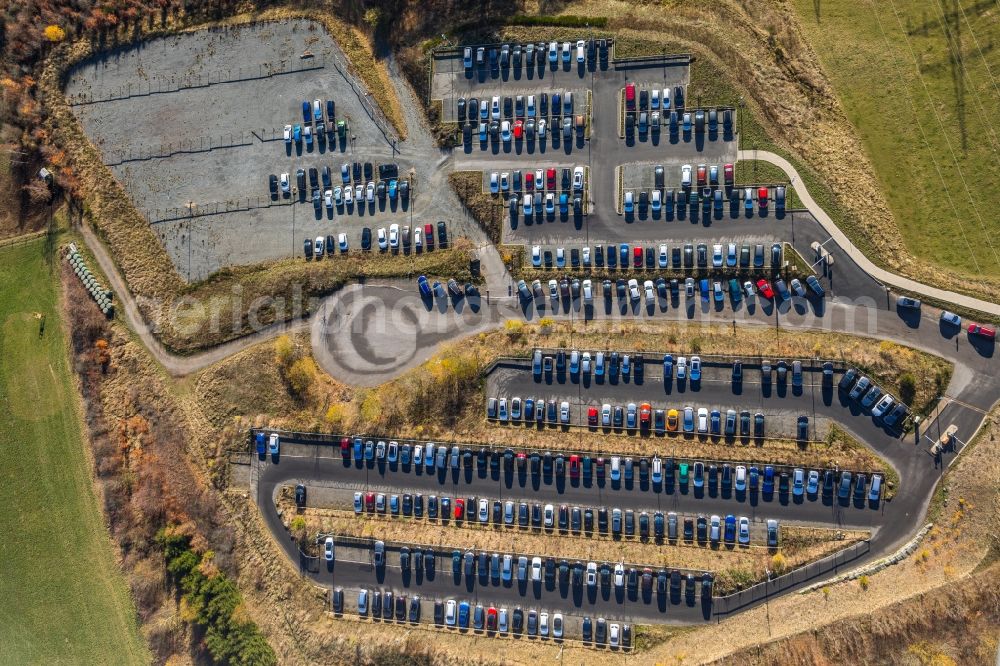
x=921 y=83
x=62 y=597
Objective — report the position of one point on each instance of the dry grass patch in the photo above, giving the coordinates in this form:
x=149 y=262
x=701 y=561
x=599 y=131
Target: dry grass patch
x=734 y=568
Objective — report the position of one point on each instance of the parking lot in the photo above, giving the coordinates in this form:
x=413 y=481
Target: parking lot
x=195 y=144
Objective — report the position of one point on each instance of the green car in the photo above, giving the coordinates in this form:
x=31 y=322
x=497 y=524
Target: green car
x=341 y=129
x=684 y=473
x=734 y=290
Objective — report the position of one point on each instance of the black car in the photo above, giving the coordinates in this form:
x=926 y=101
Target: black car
x=442 y=233
x=307 y=247
x=848 y=379
x=366 y=239
x=300 y=495
x=273 y=184
x=588 y=629
x=331 y=245
x=356 y=171
x=517 y=620
x=461 y=109
x=313 y=177
x=438 y=612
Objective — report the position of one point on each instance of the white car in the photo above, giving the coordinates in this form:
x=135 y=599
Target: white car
x=527 y=204
x=495 y=108
x=578 y=179
x=358 y=503
x=418 y=238
x=484 y=511
x=695 y=368
x=502 y=620
x=542 y=126
x=557 y=625
x=285 y=185
x=616 y=468
x=655 y=200
x=585 y=255
x=566 y=51
x=338 y=195
x=536 y=256
x=585 y=364
x=358 y=192
x=629 y=203
x=581 y=54
x=588 y=297
x=686 y=175
x=717 y=255
x=702 y=420
x=449 y=613
x=349 y=195
x=288 y=133
x=591 y=574
x=743 y=530
x=549 y=515
x=619 y=575
x=318 y=247
x=467 y=57
x=553 y=52
x=383 y=242
x=504 y=181
x=665 y=101
x=550 y=203
x=539 y=179
x=741 y=478
x=328 y=549
x=564 y=412
x=328 y=198
x=560 y=255
x=530 y=111
x=543 y=623
x=662 y=259
x=614 y=634
x=715 y=527
x=654 y=99
x=633 y=289
x=505 y=131
x=370 y=192
x=393 y=236
x=748 y=289
x=342 y=241
x=647 y=286
x=682 y=367
x=883 y=405
x=494 y=183
x=536 y=569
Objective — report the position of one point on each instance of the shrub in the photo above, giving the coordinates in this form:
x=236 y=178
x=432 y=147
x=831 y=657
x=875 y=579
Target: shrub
x=907 y=387
x=778 y=563
x=514 y=328
x=302 y=375
x=568 y=21
x=864 y=582
x=54 y=33
x=695 y=346
x=284 y=351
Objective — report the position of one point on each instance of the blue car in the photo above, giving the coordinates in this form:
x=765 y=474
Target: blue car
x=393 y=185
x=369 y=450
x=563 y=203
x=668 y=366
x=261 y=443
x=463 y=615
x=623 y=255
x=358 y=449
x=703 y=284
x=306 y=111
x=768 y=480
x=482 y=131
x=754 y=477
x=425 y=288
x=730 y=533
x=297 y=133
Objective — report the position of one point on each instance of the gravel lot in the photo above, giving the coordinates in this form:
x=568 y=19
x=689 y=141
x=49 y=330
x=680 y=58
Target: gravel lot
x=196 y=156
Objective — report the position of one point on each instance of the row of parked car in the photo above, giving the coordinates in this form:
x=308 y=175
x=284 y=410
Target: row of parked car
x=615 y=522
x=314 y=125
x=391 y=238
x=503 y=131
x=517 y=107
x=571 y=291
x=669 y=200
x=883 y=405
x=688 y=255
x=538 y=180
x=580 y=466
x=507 y=56
x=387 y=185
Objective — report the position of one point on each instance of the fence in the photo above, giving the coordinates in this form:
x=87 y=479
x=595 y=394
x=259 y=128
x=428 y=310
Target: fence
x=202 y=144
x=193 y=210
x=165 y=85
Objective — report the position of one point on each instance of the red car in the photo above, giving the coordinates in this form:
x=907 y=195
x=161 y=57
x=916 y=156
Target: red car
x=765 y=289
x=522 y=459
x=630 y=97
x=599 y=465
x=574 y=466
x=345 y=447
x=637 y=257
x=762 y=197
x=429 y=235
x=727 y=174
x=701 y=175
x=529 y=181
x=370 y=501
x=491 y=619
x=518 y=129
x=645 y=411
x=550 y=179
x=983 y=331
x=459 y=508
x=592 y=416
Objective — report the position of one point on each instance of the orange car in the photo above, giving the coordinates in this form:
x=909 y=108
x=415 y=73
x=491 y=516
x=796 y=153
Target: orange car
x=645 y=411
x=672 y=420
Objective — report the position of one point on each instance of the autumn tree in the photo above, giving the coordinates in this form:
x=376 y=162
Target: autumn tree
x=54 y=34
